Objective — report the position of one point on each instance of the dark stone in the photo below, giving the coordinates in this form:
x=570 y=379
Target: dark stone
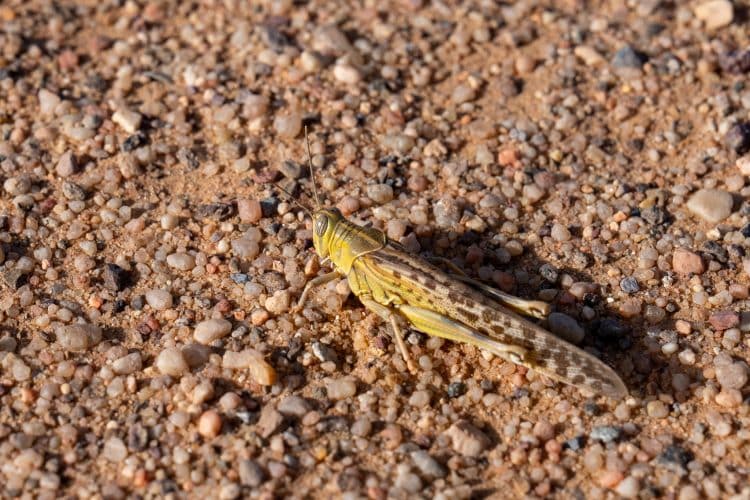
x=239 y=278
x=628 y=57
x=629 y=285
x=137 y=437
x=135 y=141
x=675 y=454
x=216 y=211
x=269 y=206
x=716 y=251
x=14 y=278
x=73 y=191
x=188 y=158
x=115 y=278
x=549 y=273
x=735 y=61
x=574 y=444
x=655 y=215
x=290 y=169
x=738 y=138
x=456 y=389
x=251 y=473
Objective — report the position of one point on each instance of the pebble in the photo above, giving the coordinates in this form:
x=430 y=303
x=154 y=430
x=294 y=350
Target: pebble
x=251 y=473
x=732 y=375
x=78 y=337
x=251 y=360
x=127 y=364
x=269 y=421
x=279 y=302
x=467 y=439
x=171 y=361
x=341 y=388
x=629 y=285
x=249 y=210
x=181 y=261
x=711 y=205
x=210 y=330
x=380 y=193
x=347 y=74
x=657 y=409
x=130 y=121
x=628 y=57
x=159 y=299
x=560 y=232
x=48 y=102
x=685 y=261
x=209 y=424
x=288 y=125
x=361 y=427
x=427 y=465
x=115 y=278
x=245 y=248
x=724 y=320
x=114 y=450
x=463 y=93
x=605 y=433
x=66 y=165
x=714 y=13
x=566 y=327
x=294 y=406
x=729 y=398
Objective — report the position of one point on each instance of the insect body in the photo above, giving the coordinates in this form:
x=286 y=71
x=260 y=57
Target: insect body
x=405 y=290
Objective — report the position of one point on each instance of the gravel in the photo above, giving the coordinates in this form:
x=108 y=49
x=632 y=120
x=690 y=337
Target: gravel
x=594 y=158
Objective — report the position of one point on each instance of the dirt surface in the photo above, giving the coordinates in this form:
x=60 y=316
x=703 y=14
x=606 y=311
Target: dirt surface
x=588 y=154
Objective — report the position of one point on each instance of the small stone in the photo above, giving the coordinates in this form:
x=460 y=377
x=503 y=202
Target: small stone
x=245 y=248
x=463 y=93
x=269 y=422
x=114 y=277
x=294 y=406
x=324 y=352
x=683 y=327
x=66 y=165
x=627 y=57
x=714 y=13
x=290 y=169
x=657 y=409
x=467 y=439
x=251 y=473
x=361 y=427
x=729 y=398
x=609 y=478
x=686 y=262
x=48 y=102
x=279 y=302
x=565 y=327
x=115 y=450
x=209 y=424
x=732 y=375
x=130 y=121
x=629 y=285
x=289 y=125
x=346 y=73
x=127 y=364
x=711 y=205
x=211 y=329
x=78 y=337
x=724 y=320
x=159 y=299
x=560 y=232
x=605 y=433
x=172 y=362
x=181 y=261
x=251 y=360
x=427 y=465
x=380 y=193
x=743 y=162
x=342 y=388
x=249 y=210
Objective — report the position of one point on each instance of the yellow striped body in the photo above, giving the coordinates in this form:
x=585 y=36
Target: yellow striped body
x=392 y=282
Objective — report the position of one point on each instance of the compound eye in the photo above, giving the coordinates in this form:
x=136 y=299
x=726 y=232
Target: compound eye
x=321 y=225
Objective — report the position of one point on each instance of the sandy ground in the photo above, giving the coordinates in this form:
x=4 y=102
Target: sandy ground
x=588 y=154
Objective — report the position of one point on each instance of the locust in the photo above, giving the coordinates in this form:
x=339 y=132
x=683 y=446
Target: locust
x=407 y=291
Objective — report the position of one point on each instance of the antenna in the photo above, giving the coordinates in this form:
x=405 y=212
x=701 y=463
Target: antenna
x=312 y=172
x=292 y=199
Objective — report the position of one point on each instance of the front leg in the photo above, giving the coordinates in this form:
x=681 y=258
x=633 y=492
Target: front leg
x=313 y=283
x=389 y=315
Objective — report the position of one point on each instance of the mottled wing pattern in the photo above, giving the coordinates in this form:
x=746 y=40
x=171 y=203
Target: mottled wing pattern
x=394 y=277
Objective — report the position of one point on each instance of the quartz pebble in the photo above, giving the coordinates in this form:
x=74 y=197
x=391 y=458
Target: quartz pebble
x=711 y=205
x=714 y=13
x=341 y=388
x=159 y=299
x=250 y=359
x=211 y=329
x=78 y=337
x=209 y=424
x=467 y=439
x=130 y=121
x=171 y=361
